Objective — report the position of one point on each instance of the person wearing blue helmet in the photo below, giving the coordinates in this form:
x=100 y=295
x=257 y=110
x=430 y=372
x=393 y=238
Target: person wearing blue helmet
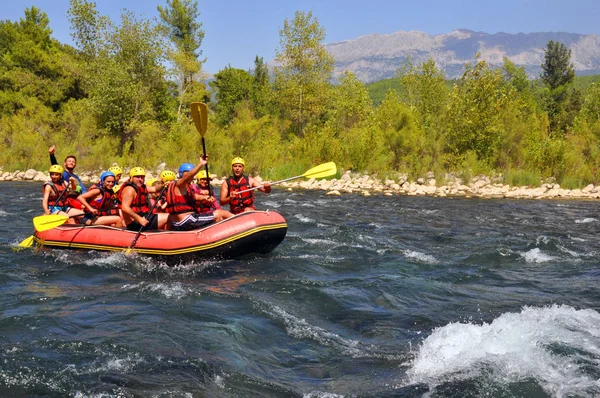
x=99 y=203
x=182 y=201
x=185 y=167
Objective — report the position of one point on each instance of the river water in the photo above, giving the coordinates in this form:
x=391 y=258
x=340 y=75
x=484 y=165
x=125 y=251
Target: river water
x=367 y=296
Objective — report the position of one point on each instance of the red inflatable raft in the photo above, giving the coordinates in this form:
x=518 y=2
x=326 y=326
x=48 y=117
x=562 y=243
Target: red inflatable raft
x=246 y=233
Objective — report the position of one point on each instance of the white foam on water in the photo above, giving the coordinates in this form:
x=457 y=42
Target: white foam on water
x=307 y=204
x=535 y=255
x=320 y=242
x=542 y=239
x=270 y=203
x=301 y=329
x=553 y=345
x=420 y=257
x=120 y=364
x=573 y=253
x=115 y=258
x=173 y=290
x=585 y=220
x=426 y=211
x=4 y=213
x=304 y=219
x=220 y=382
x=577 y=239
x=320 y=394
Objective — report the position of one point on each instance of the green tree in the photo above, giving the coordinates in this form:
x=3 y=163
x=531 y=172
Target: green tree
x=180 y=20
x=126 y=78
x=558 y=75
x=474 y=118
x=303 y=69
x=261 y=89
x=233 y=87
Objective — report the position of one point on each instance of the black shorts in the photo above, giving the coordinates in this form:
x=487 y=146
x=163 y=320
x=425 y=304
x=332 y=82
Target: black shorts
x=194 y=221
x=136 y=226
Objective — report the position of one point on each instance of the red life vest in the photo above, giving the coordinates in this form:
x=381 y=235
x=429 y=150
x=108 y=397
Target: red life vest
x=239 y=202
x=204 y=206
x=106 y=204
x=57 y=191
x=139 y=204
x=177 y=204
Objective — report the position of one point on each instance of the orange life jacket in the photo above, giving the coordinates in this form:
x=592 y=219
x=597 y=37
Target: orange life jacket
x=239 y=202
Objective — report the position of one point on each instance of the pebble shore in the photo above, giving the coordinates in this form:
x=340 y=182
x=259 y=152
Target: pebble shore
x=355 y=183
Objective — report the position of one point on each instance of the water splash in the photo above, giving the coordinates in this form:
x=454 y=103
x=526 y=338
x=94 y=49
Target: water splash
x=420 y=257
x=553 y=345
x=535 y=255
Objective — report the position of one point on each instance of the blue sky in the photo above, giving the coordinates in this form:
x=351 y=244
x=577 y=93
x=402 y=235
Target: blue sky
x=238 y=30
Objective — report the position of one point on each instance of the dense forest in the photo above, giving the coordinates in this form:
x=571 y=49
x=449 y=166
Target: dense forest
x=122 y=95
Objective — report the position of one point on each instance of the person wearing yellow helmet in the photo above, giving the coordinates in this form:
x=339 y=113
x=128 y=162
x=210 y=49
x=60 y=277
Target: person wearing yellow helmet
x=135 y=203
x=240 y=202
x=182 y=201
x=117 y=171
x=167 y=176
x=210 y=203
x=55 y=190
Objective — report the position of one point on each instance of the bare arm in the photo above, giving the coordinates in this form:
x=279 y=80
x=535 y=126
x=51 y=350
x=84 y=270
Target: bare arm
x=264 y=187
x=83 y=198
x=47 y=190
x=224 y=199
x=128 y=196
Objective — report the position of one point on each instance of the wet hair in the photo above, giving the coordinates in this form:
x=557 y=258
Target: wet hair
x=71 y=156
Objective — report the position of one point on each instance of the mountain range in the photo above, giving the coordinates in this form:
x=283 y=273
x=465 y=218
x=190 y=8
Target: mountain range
x=378 y=56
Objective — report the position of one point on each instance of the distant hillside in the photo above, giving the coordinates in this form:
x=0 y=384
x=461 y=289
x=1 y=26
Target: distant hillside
x=378 y=89
x=377 y=56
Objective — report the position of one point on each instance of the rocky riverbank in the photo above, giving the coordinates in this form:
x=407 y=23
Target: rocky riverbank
x=355 y=183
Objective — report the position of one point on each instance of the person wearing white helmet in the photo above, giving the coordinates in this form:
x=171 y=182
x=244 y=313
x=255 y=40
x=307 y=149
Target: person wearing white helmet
x=239 y=203
x=135 y=203
x=182 y=201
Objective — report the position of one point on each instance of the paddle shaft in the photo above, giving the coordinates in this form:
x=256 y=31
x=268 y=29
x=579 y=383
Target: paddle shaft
x=132 y=245
x=273 y=183
x=206 y=168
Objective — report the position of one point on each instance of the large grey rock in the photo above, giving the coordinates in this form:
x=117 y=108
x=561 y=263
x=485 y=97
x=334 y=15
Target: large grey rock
x=29 y=174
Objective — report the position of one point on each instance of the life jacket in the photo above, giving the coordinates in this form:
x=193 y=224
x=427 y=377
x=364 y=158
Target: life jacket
x=204 y=206
x=57 y=192
x=177 y=204
x=106 y=204
x=139 y=204
x=239 y=202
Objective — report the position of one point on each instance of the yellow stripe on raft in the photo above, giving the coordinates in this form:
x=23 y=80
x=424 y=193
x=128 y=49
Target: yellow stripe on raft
x=192 y=249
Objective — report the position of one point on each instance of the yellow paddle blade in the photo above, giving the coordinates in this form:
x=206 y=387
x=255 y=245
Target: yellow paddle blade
x=321 y=171
x=200 y=116
x=49 y=221
x=27 y=242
